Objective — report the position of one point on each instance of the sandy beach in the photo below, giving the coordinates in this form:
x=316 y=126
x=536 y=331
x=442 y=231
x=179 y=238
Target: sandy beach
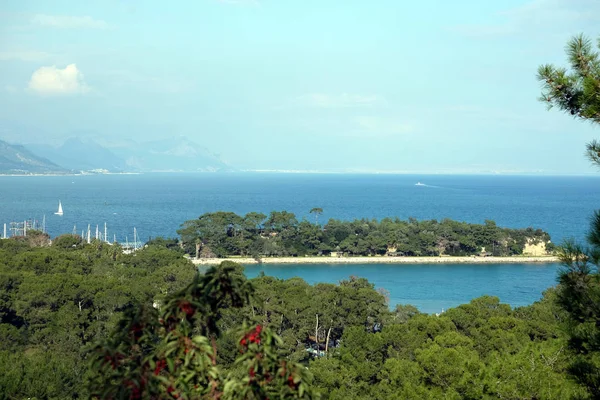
x=383 y=260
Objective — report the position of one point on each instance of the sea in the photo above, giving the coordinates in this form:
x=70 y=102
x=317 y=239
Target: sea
x=156 y=204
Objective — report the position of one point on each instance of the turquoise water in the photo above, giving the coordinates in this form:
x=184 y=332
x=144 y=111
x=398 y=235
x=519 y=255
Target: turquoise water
x=431 y=287
x=156 y=204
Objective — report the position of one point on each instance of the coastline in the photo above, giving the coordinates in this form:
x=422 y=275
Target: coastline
x=76 y=174
x=384 y=260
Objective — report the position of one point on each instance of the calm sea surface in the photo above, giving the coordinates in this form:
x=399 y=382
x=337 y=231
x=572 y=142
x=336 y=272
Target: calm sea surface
x=156 y=204
x=434 y=287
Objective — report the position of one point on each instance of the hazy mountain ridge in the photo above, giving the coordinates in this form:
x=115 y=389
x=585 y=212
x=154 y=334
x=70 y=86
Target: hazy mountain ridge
x=178 y=154
x=16 y=159
x=81 y=155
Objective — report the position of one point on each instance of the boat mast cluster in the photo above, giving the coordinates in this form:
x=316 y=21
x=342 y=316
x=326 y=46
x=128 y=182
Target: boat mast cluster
x=21 y=228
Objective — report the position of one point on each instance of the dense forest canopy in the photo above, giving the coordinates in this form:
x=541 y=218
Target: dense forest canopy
x=79 y=319
x=55 y=300
x=222 y=234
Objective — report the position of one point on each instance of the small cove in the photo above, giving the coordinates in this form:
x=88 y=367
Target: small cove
x=431 y=288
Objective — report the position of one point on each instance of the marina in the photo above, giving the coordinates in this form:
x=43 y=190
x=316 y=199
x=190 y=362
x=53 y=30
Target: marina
x=22 y=228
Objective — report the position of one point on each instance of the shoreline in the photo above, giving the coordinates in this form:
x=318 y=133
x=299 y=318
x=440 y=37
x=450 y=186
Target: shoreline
x=384 y=260
x=76 y=174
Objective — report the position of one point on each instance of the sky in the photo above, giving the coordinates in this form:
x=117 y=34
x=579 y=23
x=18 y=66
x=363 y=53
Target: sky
x=322 y=85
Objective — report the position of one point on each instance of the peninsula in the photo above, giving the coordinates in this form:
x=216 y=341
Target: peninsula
x=281 y=238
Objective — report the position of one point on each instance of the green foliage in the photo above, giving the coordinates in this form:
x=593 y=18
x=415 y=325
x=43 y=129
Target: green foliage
x=173 y=353
x=146 y=325
x=579 y=296
x=403 y=313
x=67 y=241
x=167 y=243
x=225 y=234
x=55 y=301
x=481 y=350
x=577 y=92
x=316 y=211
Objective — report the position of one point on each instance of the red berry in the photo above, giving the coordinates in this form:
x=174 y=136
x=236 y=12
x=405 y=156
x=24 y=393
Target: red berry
x=187 y=308
x=291 y=382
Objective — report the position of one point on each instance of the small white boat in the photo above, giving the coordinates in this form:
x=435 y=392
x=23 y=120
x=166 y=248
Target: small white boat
x=60 y=210
x=419 y=184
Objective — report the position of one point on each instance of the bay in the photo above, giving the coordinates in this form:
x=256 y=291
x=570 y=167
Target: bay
x=430 y=287
x=156 y=204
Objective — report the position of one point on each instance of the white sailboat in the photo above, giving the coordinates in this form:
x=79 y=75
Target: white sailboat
x=60 y=210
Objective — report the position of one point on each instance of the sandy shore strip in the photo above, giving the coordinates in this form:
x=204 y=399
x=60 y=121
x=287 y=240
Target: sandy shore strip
x=383 y=260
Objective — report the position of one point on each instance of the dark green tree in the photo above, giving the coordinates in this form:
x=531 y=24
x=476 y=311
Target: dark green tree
x=579 y=295
x=316 y=211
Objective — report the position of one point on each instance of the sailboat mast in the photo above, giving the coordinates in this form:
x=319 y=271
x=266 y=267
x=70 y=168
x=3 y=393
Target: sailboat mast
x=4 y=236
x=44 y=224
x=105 y=233
x=88 y=234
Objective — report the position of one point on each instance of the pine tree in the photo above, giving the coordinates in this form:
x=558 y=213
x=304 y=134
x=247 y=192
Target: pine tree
x=577 y=92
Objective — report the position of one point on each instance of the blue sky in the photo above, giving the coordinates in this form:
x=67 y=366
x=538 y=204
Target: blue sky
x=336 y=85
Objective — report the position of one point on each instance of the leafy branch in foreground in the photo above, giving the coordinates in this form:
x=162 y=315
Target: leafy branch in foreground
x=172 y=354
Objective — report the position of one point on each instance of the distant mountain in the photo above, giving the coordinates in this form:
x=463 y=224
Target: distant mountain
x=16 y=159
x=177 y=154
x=174 y=155
x=82 y=155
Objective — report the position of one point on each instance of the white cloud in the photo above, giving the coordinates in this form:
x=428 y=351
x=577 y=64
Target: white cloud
x=68 y=22
x=344 y=100
x=56 y=81
x=23 y=55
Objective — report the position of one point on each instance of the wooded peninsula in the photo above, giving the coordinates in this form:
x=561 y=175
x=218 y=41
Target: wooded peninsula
x=280 y=234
